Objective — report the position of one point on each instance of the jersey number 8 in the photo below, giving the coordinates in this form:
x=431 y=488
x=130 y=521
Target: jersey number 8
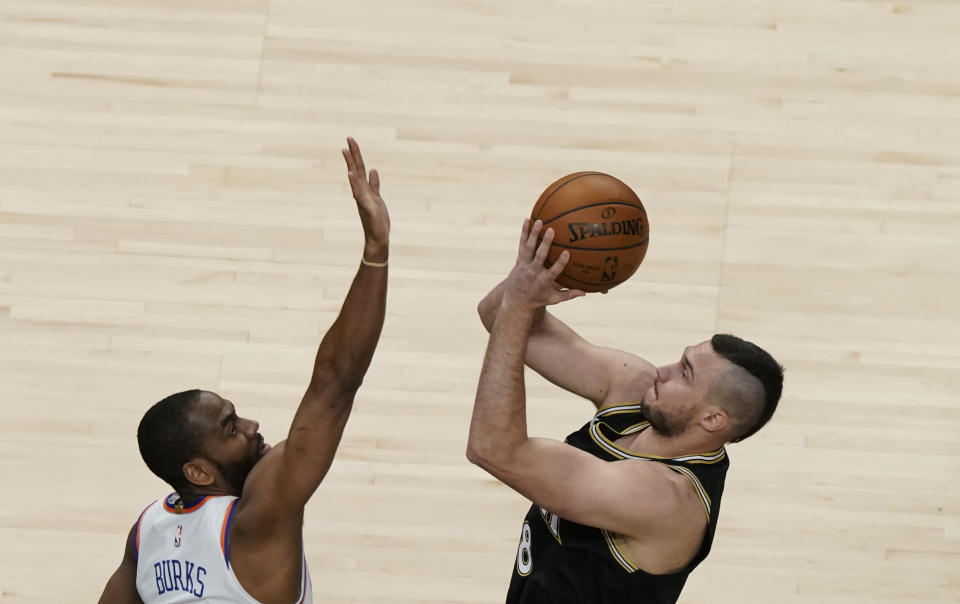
x=524 y=553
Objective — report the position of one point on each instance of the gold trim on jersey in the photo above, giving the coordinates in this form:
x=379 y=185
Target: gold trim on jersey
x=619 y=556
x=622 y=408
x=710 y=457
x=697 y=486
x=630 y=429
x=598 y=437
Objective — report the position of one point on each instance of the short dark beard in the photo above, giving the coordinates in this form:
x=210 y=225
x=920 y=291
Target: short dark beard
x=660 y=423
x=236 y=474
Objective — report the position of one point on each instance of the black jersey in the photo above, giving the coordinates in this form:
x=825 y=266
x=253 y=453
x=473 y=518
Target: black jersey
x=560 y=562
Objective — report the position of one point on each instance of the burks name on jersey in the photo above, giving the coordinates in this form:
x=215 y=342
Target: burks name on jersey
x=179 y=575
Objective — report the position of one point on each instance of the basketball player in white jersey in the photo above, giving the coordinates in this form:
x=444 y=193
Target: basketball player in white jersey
x=232 y=531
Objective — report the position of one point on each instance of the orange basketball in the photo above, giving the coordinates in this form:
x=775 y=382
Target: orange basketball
x=603 y=225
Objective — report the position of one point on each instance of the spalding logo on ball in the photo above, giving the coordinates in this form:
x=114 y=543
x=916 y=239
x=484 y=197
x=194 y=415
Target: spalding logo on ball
x=603 y=225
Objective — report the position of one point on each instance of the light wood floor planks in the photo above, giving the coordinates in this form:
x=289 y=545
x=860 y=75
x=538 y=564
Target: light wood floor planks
x=174 y=213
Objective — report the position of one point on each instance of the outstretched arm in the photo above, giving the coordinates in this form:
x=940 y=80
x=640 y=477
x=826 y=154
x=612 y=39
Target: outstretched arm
x=286 y=477
x=347 y=348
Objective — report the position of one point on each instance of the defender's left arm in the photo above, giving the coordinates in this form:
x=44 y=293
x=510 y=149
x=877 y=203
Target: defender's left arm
x=121 y=588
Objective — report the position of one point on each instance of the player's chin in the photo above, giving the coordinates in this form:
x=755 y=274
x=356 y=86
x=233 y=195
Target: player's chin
x=648 y=396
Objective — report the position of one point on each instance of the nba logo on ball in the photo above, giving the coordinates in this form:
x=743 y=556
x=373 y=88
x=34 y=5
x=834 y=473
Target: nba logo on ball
x=601 y=222
x=609 y=269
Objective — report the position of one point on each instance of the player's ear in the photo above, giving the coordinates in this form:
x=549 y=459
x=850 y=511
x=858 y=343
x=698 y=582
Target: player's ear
x=199 y=472
x=715 y=420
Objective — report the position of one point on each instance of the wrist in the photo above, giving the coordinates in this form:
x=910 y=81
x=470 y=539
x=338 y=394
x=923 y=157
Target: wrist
x=376 y=252
x=517 y=305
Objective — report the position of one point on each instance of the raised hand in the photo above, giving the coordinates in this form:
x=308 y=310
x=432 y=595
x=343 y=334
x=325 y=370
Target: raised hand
x=531 y=283
x=373 y=211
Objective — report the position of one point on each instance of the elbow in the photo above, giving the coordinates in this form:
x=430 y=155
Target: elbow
x=484 y=313
x=496 y=458
x=474 y=453
x=485 y=462
x=481 y=454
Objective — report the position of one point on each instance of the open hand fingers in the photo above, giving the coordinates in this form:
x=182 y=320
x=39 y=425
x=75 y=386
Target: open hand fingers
x=361 y=182
x=563 y=295
x=557 y=267
x=351 y=161
x=531 y=279
x=356 y=182
x=544 y=248
x=534 y=236
x=356 y=156
x=524 y=233
x=529 y=236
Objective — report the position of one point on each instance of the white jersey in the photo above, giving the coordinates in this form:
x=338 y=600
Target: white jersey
x=184 y=556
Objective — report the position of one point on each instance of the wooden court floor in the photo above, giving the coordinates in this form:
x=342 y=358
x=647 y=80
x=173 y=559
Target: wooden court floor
x=174 y=214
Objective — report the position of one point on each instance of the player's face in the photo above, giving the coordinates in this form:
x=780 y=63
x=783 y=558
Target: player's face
x=674 y=401
x=231 y=442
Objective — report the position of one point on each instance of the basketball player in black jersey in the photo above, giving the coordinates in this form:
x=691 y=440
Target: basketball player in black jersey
x=628 y=505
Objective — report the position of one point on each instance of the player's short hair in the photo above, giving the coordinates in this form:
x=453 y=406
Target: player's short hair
x=168 y=439
x=751 y=408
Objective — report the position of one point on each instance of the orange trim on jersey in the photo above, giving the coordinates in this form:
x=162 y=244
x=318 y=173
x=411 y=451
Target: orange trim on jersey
x=136 y=541
x=224 y=531
x=186 y=510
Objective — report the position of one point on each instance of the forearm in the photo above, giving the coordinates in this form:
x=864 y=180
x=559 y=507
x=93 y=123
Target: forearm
x=348 y=346
x=499 y=425
x=342 y=361
x=554 y=350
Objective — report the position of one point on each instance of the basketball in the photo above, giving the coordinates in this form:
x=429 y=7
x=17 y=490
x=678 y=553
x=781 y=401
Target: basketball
x=603 y=225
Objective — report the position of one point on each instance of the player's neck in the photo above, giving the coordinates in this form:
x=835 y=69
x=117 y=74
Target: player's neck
x=194 y=493
x=651 y=442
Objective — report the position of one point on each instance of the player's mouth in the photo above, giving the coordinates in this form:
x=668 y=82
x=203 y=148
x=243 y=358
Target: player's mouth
x=262 y=447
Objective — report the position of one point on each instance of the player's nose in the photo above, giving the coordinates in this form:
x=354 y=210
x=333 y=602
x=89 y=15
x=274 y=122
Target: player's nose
x=253 y=426
x=665 y=373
